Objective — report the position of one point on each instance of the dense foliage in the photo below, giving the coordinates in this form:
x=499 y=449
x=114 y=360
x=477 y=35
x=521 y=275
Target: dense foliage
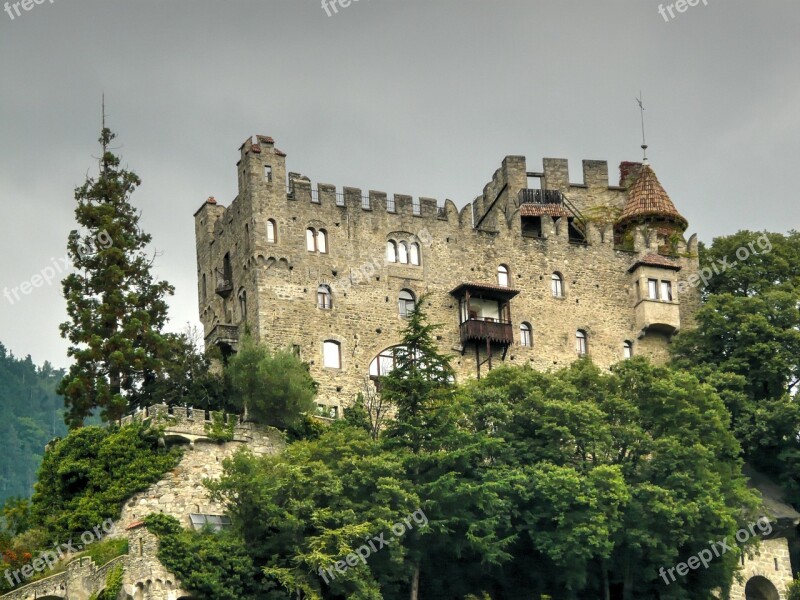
x=597 y=479
x=747 y=344
x=31 y=414
x=86 y=477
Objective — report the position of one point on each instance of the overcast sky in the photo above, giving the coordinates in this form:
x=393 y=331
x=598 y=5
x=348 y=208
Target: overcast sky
x=423 y=97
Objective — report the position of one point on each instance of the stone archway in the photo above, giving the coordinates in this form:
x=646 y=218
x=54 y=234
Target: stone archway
x=760 y=588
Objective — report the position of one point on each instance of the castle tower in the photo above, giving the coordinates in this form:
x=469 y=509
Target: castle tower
x=648 y=204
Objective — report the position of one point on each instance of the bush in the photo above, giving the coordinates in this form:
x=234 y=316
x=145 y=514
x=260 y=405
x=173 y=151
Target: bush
x=793 y=590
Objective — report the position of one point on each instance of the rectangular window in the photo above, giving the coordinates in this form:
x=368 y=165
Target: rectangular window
x=415 y=206
x=652 y=289
x=267 y=173
x=666 y=291
x=331 y=355
x=390 y=204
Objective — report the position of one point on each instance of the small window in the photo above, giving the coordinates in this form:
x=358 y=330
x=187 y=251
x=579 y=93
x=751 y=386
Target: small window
x=526 y=335
x=666 y=291
x=502 y=275
x=580 y=342
x=243 y=304
x=391 y=251
x=390 y=206
x=652 y=289
x=272 y=230
x=627 y=349
x=246 y=237
x=324 y=298
x=416 y=208
x=267 y=173
x=203 y=289
x=406 y=303
x=402 y=253
x=332 y=355
x=311 y=237
x=215 y=522
x=322 y=241
x=557 y=285
x=413 y=254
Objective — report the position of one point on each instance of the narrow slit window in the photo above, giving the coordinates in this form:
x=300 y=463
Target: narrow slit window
x=271 y=231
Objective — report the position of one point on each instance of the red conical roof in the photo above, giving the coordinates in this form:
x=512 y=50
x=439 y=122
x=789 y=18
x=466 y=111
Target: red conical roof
x=648 y=200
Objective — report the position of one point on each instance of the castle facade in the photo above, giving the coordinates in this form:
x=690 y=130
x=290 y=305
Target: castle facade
x=536 y=270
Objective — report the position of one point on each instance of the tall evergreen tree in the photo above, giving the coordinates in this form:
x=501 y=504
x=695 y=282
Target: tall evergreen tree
x=116 y=308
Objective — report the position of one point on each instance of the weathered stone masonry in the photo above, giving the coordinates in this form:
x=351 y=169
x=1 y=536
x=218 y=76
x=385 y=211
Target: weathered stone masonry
x=267 y=281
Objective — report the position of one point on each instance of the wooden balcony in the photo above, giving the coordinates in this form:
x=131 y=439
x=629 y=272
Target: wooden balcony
x=497 y=332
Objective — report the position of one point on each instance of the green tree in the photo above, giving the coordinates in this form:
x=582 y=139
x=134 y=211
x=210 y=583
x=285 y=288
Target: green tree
x=274 y=387
x=116 y=309
x=747 y=345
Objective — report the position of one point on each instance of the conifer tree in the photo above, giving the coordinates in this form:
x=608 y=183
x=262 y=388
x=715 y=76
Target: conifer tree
x=116 y=309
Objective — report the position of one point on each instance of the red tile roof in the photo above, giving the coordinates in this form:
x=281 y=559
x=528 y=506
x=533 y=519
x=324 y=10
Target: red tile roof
x=134 y=525
x=647 y=199
x=538 y=210
x=655 y=260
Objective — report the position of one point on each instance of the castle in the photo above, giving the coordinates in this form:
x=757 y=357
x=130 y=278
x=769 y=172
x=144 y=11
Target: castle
x=536 y=270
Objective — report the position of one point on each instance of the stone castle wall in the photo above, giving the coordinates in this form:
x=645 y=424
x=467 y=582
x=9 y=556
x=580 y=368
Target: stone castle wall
x=279 y=280
x=181 y=491
x=771 y=562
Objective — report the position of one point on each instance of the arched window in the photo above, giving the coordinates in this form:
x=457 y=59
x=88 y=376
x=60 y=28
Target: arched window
x=502 y=275
x=311 y=239
x=243 y=304
x=406 y=302
x=391 y=251
x=580 y=342
x=324 y=297
x=322 y=241
x=526 y=335
x=413 y=253
x=272 y=232
x=557 y=285
x=332 y=354
x=402 y=253
x=627 y=349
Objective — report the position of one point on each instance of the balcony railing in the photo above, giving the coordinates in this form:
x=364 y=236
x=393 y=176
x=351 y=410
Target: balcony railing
x=541 y=197
x=499 y=332
x=226 y=335
x=224 y=287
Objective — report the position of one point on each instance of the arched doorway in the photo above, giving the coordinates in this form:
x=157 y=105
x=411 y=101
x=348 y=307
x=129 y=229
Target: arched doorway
x=760 y=588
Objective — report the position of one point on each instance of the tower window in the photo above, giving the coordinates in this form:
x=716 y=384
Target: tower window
x=402 y=253
x=580 y=342
x=267 y=173
x=627 y=349
x=502 y=275
x=557 y=285
x=311 y=239
x=666 y=291
x=332 y=354
x=652 y=289
x=243 y=304
x=406 y=303
x=413 y=254
x=526 y=335
x=391 y=251
x=322 y=241
x=203 y=289
x=324 y=297
x=272 y=230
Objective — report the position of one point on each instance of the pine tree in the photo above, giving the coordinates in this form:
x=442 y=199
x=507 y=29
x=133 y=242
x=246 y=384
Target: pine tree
x=116 y=308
